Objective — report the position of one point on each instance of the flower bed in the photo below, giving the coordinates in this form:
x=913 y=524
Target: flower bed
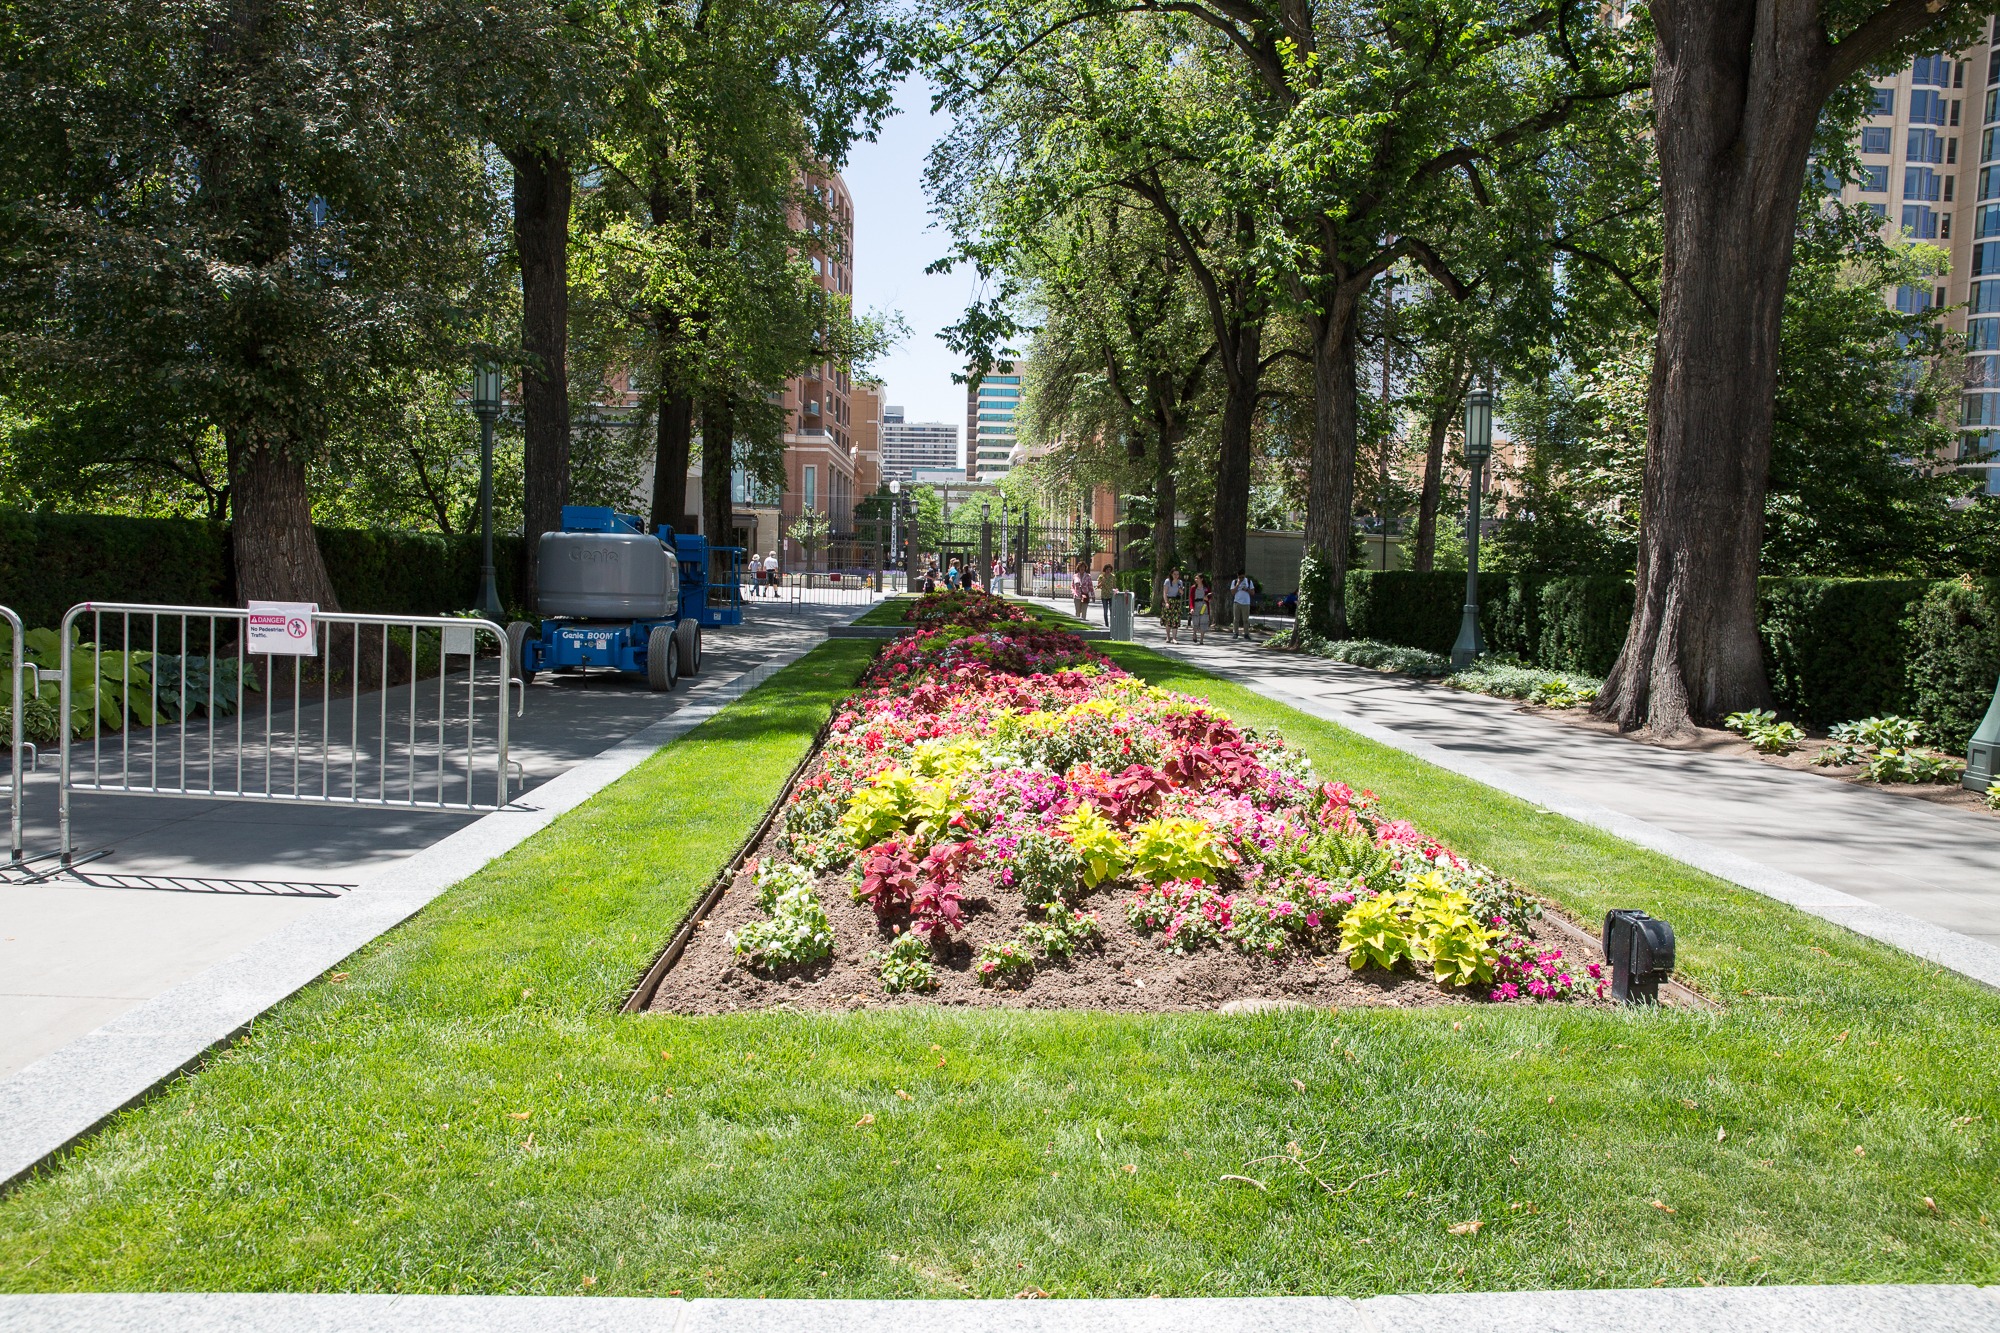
x=1001 y=815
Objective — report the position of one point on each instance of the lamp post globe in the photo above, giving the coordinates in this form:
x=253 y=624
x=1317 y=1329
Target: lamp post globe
x=1471 y=644
x=487 y=387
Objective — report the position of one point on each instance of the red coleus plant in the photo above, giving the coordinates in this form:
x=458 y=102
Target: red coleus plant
x=935 y=905
x=1229 y=764
x=1135 y=794
x=895 y=880
x=888 y=878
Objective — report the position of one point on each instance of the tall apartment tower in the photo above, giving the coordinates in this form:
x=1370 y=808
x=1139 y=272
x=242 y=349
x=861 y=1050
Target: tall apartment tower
x=989 y=423
x=1930 y=154
x=911 y=445
x=819 y=421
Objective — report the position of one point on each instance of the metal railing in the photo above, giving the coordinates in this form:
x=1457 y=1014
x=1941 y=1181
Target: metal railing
x=396 y=712
x=17 y=744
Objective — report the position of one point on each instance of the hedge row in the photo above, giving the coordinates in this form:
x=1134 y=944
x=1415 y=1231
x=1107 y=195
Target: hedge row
x=1836 y=649
x=50 y=562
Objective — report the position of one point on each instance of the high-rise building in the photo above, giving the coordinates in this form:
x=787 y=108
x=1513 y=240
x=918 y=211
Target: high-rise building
x=910 y=445
x=819 y=422
x=989 y=422
x=1930 y=154
x=866 y=405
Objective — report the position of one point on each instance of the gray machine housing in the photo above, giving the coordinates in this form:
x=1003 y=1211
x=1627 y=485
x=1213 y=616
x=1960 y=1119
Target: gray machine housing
x=607 y=576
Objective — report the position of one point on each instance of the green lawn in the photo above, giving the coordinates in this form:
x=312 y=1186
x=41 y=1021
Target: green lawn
x=465 y=1111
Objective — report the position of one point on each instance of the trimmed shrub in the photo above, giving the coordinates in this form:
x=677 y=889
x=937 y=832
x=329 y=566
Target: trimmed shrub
x=1403 y=606
x=1838 y=648
x=50 y=562
x=1583 y=623
x=1955 y=657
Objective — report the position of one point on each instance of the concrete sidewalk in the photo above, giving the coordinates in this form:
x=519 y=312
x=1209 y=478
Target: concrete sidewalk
x=192 y=882
x=1855 y=1309
x=1933 y=863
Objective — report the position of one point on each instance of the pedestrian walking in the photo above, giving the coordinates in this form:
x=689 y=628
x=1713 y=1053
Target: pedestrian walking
x=771 y=572
x=1198 y=600
x=1173 y=593
x=1107 y=585
x=1079 y=592
x=1242 y=589
x=952 y=578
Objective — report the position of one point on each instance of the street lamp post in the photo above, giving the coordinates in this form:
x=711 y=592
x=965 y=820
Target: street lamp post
x=486 y=387
x=986 y=545
x=1471 y=645
x=896 y=528
x=1021 y=556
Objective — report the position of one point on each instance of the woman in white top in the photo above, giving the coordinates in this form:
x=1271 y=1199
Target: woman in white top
x=1172 y=590
x=1079 y=592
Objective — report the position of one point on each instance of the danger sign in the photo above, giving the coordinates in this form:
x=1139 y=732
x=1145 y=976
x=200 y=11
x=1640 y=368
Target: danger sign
x=283 y=628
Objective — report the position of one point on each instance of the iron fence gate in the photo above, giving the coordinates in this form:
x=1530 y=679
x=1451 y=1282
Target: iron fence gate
x=401 y=712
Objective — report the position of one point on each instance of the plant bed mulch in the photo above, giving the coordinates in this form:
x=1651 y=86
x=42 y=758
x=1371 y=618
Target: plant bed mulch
x=1129 y=972
x=1001 y=817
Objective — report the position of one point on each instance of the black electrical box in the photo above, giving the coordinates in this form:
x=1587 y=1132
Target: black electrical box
x=1640 y=950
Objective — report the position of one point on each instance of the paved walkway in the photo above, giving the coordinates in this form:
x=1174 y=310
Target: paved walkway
x=190 y=883
x=1934 y=863
x=1857 y=1309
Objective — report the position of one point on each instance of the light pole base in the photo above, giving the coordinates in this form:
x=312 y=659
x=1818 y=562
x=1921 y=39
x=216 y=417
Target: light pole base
x=1471 y=644
x=489 y=594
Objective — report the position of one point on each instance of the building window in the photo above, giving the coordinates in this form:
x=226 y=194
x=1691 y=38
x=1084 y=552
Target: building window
x=1982 y=372
x=1958 y=75
x=1913 y=300
x=1985 y=298
x=1921 y=183
x=1932 y=70
x=812 y=485
x=1951 y=151
x=1944 y=226
x=1881 y=211
x=1926 y=107
x=1954 y=110
x=1875 y=139
x=1925 y=146
x=1980 y=409
x=1875 y=180
x=1950 y=184
x=1882 y=101
x=1982 y=335
x=1986 y=221
x=1940 y=298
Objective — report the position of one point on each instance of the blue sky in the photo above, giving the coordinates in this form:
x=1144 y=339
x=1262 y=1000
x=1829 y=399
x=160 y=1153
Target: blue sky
x=894 y=238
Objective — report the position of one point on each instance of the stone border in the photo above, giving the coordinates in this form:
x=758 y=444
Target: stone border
x=59 y=1099
x=1824 y=1309
x=1963 y=954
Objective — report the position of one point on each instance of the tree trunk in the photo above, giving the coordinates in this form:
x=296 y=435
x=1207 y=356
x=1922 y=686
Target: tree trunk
x=1735 y=111
x=718 y=438
x=1163 y=505
x=541 y=239
x=672 y=446
x=1442 y=415
x=276 y=555
x=1330 y=478
x=1231 y=509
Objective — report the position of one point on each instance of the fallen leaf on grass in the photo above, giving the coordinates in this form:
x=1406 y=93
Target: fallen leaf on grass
x=1248 y=1181
x=1031 y=1294
x=1721 y=1134
x=1930 y=1203
x=519 y=1115
x=1298 y=1085
x=1860 y=1151
x=903 y=1096
x=1466 y=1228
x=868 y=1119
x=337 y=976
x=1662 y=1207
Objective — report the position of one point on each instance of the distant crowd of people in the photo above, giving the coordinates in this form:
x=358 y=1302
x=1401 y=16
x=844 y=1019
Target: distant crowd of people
x=1189 y=604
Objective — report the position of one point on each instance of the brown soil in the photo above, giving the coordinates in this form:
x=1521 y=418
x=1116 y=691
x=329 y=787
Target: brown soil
x=1129 y=972
x=1709 y=740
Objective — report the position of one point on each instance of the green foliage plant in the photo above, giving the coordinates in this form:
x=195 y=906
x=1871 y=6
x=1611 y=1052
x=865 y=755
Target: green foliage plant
x=1096 y=844
x=1061 y=932
x=1005 y=963
x=796 y=932
x=1047 y=871
x=907 y=966
x=1163 y=850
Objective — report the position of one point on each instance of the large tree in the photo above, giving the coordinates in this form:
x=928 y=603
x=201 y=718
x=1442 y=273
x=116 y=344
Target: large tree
x=1738 y=93
x=241 y=212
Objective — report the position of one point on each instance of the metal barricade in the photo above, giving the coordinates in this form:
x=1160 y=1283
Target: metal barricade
x=387 y=711
x=17 y=745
